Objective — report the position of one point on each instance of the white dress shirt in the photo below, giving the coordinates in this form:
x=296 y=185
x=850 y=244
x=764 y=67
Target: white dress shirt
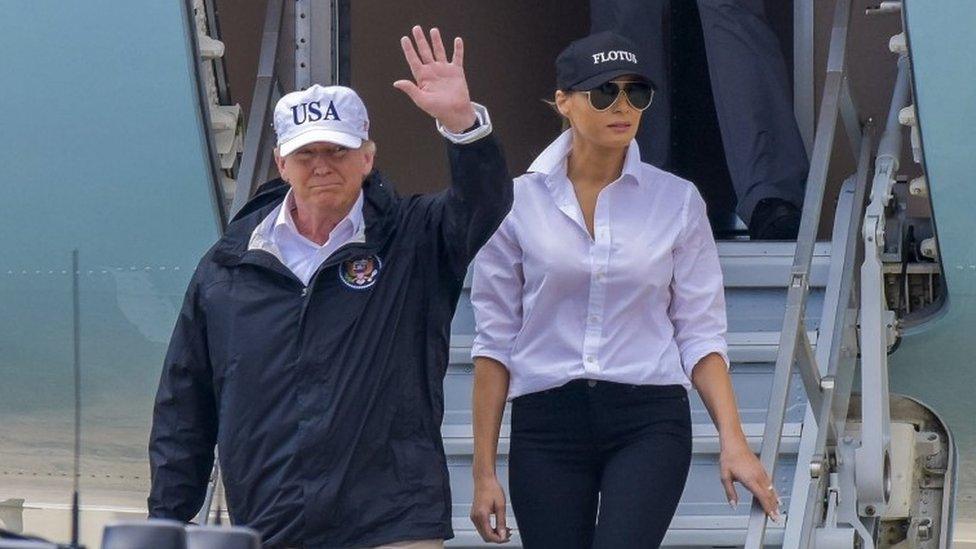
x=278 y=235
x=640 y=302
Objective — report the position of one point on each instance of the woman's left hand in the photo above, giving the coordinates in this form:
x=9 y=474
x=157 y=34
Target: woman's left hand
x=738 y=464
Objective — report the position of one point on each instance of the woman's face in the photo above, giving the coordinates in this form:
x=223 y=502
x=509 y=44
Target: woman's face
x=614 y=127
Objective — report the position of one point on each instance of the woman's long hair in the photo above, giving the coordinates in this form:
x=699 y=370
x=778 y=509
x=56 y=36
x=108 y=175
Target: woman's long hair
x=563 y=119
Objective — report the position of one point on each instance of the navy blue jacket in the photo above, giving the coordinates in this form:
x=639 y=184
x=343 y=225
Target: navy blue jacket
x=326 y=402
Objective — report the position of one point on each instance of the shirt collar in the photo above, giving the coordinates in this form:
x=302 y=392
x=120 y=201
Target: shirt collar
x=552 y=161
x=285 y=221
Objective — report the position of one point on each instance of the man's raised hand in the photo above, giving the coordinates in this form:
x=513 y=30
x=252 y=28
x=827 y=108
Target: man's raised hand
x=439 y=87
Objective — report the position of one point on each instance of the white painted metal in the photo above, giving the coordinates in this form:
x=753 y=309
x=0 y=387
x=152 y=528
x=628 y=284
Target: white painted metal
x=830 y=108
x=873 y=459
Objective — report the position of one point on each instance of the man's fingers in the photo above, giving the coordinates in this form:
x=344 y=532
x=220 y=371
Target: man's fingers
x=458 y=57
x=413 y=61
x=409 y=88
x=438 y=45
x=423 y=48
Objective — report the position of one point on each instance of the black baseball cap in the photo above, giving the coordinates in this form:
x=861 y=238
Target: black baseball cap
x=592 y=60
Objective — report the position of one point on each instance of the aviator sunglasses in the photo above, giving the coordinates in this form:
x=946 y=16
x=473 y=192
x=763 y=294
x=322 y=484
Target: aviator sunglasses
x=639 y=94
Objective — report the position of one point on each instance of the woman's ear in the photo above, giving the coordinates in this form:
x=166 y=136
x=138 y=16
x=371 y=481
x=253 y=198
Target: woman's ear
x=562 y=103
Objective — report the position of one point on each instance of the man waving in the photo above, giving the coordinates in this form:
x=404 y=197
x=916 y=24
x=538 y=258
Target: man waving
x=313 y=340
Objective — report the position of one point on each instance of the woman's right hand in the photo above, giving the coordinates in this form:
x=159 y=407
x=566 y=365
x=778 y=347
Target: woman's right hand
x=489 y=499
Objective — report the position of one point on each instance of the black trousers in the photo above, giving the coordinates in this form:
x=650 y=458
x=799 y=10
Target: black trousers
x=750 y=85
x=598 y=465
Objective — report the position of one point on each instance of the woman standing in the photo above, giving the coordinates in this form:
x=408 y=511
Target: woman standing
x=598 y=302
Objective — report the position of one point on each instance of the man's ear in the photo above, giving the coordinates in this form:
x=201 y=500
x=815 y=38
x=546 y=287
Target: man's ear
x=280 y=163
x=369 y=156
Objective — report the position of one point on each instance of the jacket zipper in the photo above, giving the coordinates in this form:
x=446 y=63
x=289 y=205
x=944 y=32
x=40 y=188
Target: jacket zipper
x=308 y=290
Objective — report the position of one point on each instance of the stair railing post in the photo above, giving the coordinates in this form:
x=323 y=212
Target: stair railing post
x=793 y=322
x=257 y=136
x=836 y=352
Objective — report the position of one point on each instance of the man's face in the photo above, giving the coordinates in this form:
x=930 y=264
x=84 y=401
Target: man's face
x=326 y=175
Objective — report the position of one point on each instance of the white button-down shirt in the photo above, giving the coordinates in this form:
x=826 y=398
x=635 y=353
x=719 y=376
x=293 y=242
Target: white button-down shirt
x=279 y=235
x=639 y=302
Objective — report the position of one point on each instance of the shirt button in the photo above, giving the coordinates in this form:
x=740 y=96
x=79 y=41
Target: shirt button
x=594 y=318
x=590 y=359
x=304 y=292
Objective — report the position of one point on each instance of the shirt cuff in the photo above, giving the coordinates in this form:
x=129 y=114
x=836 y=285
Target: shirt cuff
x=497 y=355
x=697 y=351
x=463 y=138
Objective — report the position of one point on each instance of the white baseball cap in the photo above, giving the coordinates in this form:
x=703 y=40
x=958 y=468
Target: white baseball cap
x=334 y=114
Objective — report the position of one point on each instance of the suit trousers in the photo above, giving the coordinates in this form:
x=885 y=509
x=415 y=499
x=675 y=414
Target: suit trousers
x=753 y=101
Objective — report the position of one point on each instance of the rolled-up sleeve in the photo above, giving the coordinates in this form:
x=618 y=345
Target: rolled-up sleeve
x=496 y=295
x=697 y=308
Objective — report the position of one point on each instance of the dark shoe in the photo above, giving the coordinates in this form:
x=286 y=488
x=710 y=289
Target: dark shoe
x=774 y=219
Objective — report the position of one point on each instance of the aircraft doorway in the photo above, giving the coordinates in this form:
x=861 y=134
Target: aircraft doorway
x=510 y=50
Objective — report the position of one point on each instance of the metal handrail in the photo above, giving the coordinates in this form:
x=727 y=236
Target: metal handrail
x=255 y=161
x=837 y=353
x=794 y=346
x=864 y=226
x=203 y=515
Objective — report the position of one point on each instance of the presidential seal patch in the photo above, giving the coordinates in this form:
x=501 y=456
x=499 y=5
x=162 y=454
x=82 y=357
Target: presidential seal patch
x=361 y=273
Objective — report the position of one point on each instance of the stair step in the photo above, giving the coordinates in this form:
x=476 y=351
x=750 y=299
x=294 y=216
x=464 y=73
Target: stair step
x=760 y=264
x=743 y=347
x=751 y=383
x=751 y=378
x=749 y=311
x=768 y=264
x=704 y=531
x=458 y=440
